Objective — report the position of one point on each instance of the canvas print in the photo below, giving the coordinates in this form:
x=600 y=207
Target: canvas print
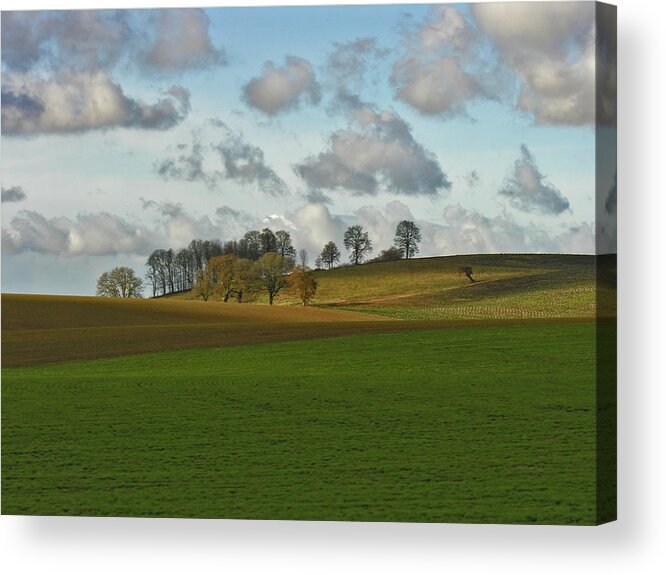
x=347 y=263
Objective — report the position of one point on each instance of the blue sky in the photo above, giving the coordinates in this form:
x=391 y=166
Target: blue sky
x=124 y=131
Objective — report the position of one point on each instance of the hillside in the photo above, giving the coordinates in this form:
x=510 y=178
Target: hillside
x=369 y=298
x=511 y=286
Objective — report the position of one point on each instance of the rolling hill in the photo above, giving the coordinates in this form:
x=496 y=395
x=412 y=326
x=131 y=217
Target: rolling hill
x=508 y=286
x=429 y=292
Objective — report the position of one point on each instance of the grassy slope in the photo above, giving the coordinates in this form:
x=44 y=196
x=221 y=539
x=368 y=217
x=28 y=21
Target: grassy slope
x=483 y=425
x=512 y=286
x=508 y=286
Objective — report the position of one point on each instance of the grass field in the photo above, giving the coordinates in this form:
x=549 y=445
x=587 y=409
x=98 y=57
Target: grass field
x=463 y=425
x=405 y=394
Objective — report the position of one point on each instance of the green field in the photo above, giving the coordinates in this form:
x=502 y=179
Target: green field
x=461 y=425
x=406 y=393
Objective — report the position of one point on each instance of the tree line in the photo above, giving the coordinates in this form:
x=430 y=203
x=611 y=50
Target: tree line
x=259 y=261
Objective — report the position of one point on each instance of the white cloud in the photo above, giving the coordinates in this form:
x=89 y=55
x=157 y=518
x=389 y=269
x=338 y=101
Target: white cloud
x=81 y=39
x=182 y=41
x=90 y=234
x=381 y=223
x=528 y=190
x=435 y=87
x=82 y=101
x=311 y=227
x=468 y=231
x=550 y=46
x=381 y=154
x=281 y=88
x=442 y=69
x=445 y=26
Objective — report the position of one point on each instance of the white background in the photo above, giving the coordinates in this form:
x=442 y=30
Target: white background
x=635 y=543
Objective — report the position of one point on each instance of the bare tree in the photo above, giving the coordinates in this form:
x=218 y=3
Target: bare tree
x=407 y=238
x=330 y=255
x=358 y=244
x=303 y=259
x=120 y=282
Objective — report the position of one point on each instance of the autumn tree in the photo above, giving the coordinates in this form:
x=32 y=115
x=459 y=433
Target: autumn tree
x=330 y=255
x=221 y=272
x=204 y=284
x=357 y=243
x=120 y=282
x=271 y=271
x=245 y=278
x=303 y=284
x=407 y=238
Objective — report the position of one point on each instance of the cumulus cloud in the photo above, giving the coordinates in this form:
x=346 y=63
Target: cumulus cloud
x=443 y=68
x=380 y=223
x=167 y=39
x=311 y=226
x=80 y=39
x=182 y=41
x=551 y=49
x=468 y=231
x=91 y=234
x=376 y=153
x=237 y=159
x=13 y=194
x=176 y=227
x=528 y=190
x=460 y=231
x=437 y=87
x=58 y=67
x=445 y=26
x=82 y=101
x=281 y=88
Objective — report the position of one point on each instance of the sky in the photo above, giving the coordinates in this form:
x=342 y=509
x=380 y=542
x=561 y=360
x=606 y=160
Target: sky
x=124 y=131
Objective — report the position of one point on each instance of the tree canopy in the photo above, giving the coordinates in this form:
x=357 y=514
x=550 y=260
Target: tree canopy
x=407 y=238
x=358 y=244
x=120 y=282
